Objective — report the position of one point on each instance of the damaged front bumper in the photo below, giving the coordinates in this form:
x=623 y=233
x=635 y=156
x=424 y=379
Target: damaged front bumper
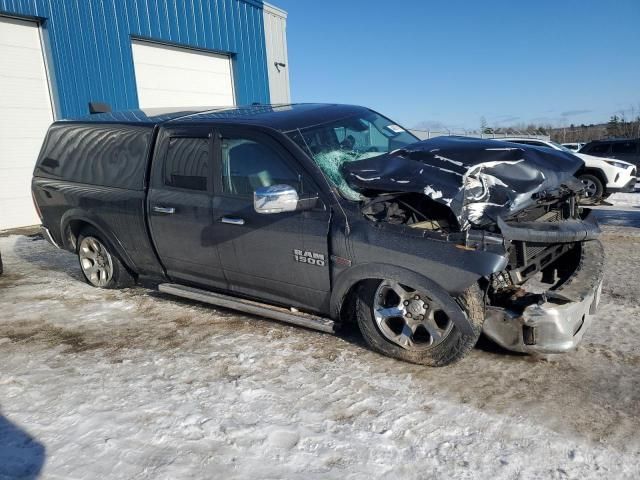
x=558 y=321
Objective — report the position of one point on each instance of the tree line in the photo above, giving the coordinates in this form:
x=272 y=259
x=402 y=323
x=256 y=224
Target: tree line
x=618 y=126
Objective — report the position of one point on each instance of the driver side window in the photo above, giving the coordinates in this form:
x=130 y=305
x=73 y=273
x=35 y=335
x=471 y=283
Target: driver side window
x=248 y=165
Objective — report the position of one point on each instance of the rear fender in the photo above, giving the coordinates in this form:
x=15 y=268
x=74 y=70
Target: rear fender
x=69 y=239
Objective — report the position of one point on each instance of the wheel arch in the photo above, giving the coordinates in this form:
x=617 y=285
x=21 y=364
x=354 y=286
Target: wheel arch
x=72 y=224
x=596 y=172
x=348 y=281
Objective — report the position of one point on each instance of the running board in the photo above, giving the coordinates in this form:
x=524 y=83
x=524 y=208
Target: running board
x=248 y=306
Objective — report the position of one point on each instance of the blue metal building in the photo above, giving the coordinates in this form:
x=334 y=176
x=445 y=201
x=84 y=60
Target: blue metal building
x=56 y=56
x=88 y=44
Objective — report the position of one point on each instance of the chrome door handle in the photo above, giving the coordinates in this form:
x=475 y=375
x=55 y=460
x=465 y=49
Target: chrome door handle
x=164 y=210
x=232 y=220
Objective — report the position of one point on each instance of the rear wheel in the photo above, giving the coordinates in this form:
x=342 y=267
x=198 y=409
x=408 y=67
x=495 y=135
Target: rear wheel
x=593 y=188
x=100 y=266
x=409 y=324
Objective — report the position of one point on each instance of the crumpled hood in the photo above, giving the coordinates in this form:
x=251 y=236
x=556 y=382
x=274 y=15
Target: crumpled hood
x=479 y=180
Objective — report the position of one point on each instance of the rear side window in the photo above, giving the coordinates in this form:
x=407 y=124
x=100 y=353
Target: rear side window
x=624 y=147
x=600 y=148
x=105 y=155
x=187 y=163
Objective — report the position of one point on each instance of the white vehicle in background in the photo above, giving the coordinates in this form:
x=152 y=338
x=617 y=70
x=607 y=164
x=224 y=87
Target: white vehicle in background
x=601 y=176
x=574 y=147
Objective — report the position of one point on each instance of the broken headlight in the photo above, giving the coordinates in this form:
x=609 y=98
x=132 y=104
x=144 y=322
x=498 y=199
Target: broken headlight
x=474 y=189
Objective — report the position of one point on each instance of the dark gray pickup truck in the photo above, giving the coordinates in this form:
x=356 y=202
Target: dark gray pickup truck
x=321 y=214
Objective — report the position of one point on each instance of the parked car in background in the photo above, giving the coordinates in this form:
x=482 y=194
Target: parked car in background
x=574 y=147
x=626 y=150
x=321 y=214
x=601 y=176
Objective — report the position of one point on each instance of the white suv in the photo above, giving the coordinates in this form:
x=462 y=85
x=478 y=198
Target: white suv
x=601 y=176
x=574 y=147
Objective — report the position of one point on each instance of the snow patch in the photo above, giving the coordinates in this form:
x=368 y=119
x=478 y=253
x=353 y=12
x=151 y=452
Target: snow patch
x=364 y=179
x=445 y=159
x=433 y=194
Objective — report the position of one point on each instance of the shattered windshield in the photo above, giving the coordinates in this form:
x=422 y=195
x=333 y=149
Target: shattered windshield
x=354 y=138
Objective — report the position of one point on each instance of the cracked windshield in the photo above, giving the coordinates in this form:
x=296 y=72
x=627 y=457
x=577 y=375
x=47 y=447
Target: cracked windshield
x=349 y=139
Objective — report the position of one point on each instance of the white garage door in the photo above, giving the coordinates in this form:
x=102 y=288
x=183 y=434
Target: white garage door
x=25 y=114
x=169 y=76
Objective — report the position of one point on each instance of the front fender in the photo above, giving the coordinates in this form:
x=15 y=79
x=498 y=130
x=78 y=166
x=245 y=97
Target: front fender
x=347 y=279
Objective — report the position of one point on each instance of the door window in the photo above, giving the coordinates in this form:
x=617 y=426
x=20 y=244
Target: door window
x=624 y=147
x=600 y=148
x=187 y=163
x=248 y=165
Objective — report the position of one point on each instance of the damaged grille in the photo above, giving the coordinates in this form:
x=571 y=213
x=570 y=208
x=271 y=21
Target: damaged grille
x=528 y=258
x=531 y=250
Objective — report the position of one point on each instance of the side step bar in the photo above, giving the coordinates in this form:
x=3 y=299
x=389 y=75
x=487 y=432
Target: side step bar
x=248 y=306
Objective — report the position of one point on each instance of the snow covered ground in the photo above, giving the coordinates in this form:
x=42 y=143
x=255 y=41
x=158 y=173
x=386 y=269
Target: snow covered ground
x=626 y=200
x=134 y=384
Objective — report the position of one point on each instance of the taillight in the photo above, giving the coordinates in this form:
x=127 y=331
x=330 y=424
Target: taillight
x=35 y=204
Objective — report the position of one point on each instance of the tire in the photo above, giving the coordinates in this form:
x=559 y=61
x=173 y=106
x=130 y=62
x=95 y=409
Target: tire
x=99 y=264
x=452 y=345
x=594 y=190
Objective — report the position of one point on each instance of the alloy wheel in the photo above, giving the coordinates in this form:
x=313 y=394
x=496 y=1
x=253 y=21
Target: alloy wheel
x=590 y=188
x=409 y=318
x=95 y=261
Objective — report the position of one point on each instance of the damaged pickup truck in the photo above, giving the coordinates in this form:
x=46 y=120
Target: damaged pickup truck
x=323 y=214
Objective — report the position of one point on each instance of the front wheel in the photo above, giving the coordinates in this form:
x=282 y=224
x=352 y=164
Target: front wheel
x=100 y=266
x=407 y=323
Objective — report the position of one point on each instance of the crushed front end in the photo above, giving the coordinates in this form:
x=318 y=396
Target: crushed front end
x=522 y=203
x=543 y=301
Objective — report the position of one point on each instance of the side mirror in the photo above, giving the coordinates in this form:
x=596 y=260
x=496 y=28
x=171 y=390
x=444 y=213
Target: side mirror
x=275 y=199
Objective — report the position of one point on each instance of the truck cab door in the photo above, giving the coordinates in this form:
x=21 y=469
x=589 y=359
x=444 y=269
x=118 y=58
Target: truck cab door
x=279 y=258
x=179 y=206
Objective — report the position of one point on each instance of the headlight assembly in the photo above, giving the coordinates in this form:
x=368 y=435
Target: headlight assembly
x=622 y=165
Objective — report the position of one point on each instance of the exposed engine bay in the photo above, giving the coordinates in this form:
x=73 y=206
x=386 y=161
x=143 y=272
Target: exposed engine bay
x=410 y=209
x=526 y=258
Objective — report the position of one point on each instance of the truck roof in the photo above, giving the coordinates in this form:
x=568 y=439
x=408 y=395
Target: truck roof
x=280 y=117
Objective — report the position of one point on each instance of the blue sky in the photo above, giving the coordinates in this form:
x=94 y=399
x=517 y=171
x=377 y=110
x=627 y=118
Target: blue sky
x=447 y=63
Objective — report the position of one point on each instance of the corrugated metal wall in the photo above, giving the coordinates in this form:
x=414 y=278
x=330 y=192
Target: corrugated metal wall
x=275 y=27
x=88 y=44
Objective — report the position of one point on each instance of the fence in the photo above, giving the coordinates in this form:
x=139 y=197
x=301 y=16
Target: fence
x=426 y=134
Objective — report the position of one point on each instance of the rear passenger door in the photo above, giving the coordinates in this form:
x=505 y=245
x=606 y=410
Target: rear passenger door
x=180 y=206
x=263 y=255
